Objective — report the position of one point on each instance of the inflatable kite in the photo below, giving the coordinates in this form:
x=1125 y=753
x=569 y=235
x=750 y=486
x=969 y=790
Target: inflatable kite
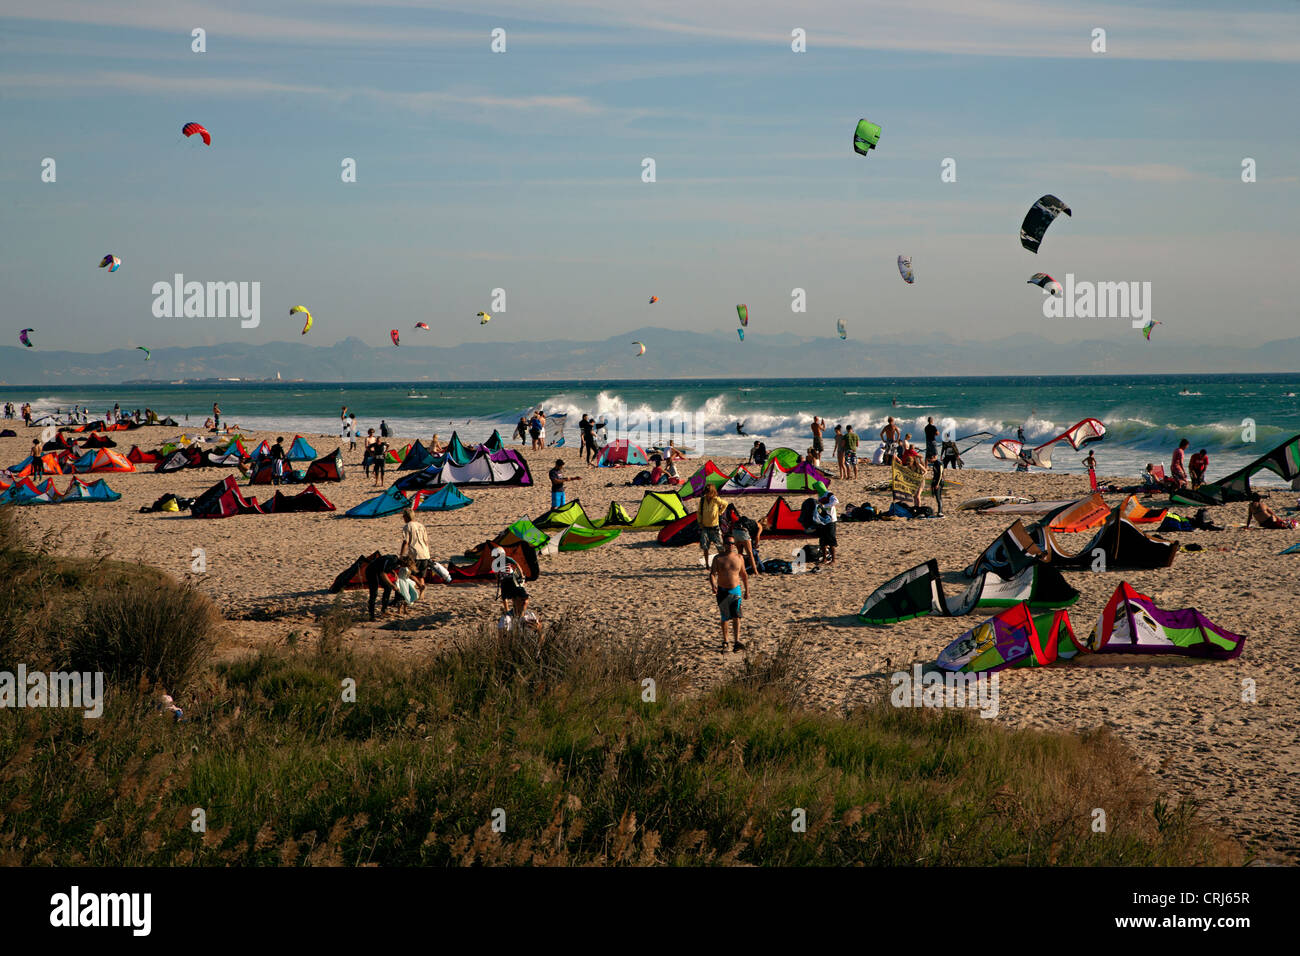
x=145 y=351
x=22 y=337
x=189 y=129
x=865 y=137
x=905 y=269
x=397 y=339
x=484 y=318
x=743 y=312
x=1146 y=329
x=654 y=299
x=640 y=348
x=1046 y=283
x=422 y=325
x=110 y=261
x=1083 y=433
x=842 y=328
x=741 y=333
x=303 y=310
x=1041 y=215
x=1132 y=624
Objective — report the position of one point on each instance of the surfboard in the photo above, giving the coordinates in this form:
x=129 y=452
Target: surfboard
x=977 y=504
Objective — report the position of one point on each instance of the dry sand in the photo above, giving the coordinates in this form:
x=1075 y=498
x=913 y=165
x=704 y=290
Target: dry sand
x=1185 y=718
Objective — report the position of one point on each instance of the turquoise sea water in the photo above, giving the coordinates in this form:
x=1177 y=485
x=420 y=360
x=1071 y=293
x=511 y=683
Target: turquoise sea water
x=1145 y=415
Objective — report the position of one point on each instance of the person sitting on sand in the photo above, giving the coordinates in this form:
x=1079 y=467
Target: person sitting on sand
x=758 y=454
x=730 y=586
x=436 y=446
x=513 y=593
x=1267 y=518
x=657 y=472
x=671 y=475
x=673 y=450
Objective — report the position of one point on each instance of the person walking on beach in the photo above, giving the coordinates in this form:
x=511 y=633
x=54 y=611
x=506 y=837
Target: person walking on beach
x=38 y=463
x=379 y=459
x=730 y=586
x=521 y=430
x=825 y=518
x=368 y=451
x=889 y=438
x=558 y=480
x=931 y=439
x=936 y=483
x=415 y=542
x=841 y=466
x=1178 y=471
x=851 y=451
x=216 y=417
x=818 y=426
x=278 y=458
x=383 y=429
x=587 y=428
x=709 y=517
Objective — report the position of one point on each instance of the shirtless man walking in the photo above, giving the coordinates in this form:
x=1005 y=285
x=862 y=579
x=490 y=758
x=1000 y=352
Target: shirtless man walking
x=730 y=584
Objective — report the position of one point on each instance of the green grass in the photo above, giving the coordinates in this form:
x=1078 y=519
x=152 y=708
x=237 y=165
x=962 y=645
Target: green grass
x=557 y=737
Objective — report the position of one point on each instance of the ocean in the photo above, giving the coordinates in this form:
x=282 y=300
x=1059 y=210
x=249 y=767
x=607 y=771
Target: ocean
x=1145 y=416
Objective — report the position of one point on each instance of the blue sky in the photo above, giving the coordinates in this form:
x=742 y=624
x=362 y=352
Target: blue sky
x=522 y=170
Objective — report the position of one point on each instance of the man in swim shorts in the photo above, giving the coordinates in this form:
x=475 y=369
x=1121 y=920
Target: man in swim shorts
x=730 y=586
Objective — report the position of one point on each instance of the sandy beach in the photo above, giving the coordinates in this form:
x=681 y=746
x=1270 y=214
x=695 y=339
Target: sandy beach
x=1184 y=717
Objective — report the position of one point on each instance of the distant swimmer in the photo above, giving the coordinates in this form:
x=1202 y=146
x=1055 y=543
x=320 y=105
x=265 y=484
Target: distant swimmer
x=893 y=402
x=740 y=429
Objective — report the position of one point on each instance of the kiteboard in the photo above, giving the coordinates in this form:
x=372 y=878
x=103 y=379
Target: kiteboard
x=978 y=504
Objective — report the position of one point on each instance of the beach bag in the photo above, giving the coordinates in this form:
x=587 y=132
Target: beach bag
x=642 y=478
x=812 y=553
x=777 y=566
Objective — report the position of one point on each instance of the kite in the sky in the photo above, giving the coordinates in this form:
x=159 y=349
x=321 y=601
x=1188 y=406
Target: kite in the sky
x=189 y=129
x=397 y=339
x=1041 y=215
x=865 y=137
x=22 y=337
x=654 y=299
x=484 y=318
x=905 y=269
x=110 y=261
x=743 y=312
x=640 y=348
x=1146 y=329
x=145 y=351
x=303 y=310
x=842 y=328
x=741 y=333
x=1046 y=283
x=422 y=325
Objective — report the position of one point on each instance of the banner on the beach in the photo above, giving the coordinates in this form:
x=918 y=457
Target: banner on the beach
x=905 y=481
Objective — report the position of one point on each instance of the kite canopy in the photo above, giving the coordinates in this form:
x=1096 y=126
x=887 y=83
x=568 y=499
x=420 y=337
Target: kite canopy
x=654 y=299
x=842 y=329
x=640 y=348
x=920 y=591
x=1146 y=329
x=1082 y=433
x=189 y=129
x=905 y=269
x=303 y=309
x=484 y=318
x=1132 y=624
x=865 y=137
x=1041 y=215
x=397 y=339
x=422 y=325
x=741 y=333
x=141 y=348
x=743 y=312
x=1046 y=283
x=22 y=337
x=110 y=261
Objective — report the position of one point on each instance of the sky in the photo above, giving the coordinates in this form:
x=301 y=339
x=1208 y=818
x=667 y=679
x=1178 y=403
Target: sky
x=523 y=170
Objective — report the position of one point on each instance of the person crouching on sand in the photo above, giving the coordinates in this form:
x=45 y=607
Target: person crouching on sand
x=730 y=585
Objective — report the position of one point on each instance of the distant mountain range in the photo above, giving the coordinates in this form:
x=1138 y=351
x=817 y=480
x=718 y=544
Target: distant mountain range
x=669 y=354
